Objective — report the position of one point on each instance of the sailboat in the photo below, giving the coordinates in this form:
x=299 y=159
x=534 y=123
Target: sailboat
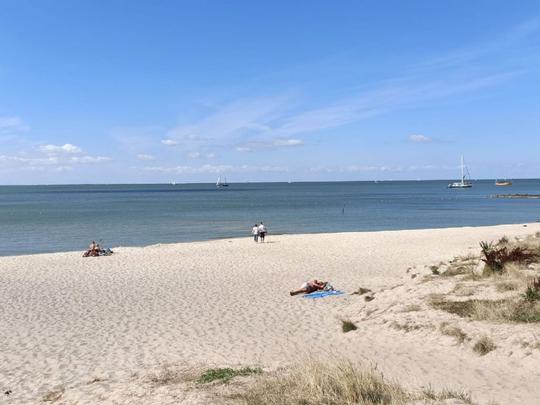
x=222 y=183
x=463 y=183
x=503 y=182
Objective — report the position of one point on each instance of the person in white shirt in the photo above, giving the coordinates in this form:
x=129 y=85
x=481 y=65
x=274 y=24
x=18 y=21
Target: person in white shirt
x=262 y=232
x=255 y=232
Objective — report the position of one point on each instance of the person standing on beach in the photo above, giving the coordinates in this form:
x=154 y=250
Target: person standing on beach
x=255 y=232
x=262 y=232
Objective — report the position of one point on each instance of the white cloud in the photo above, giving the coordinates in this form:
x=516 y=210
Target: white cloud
x=53 y=162
x=66 y=148
x=288 y=142
x=417 y=138
x=169 y=142
x=216 y=169
x=268 y=144
x=142 y=156
x=356 y=169
x=88 y=159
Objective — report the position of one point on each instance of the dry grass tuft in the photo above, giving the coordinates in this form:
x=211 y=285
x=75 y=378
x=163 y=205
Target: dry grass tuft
x=454 y=331
x=507 y=285
x=53 y=396
x=463 y=290
x=484 y=345
x=429 y=394
x=407 y=327
x=337 y=383
x=362 y=291
x=347 y=326
x=167 y=376
x=318 y=383
x=461 y=265
x=412 y=308
x=504 y=310
x=96 y=380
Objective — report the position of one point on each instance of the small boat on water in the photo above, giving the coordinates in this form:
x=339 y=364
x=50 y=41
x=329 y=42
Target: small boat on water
x=503 y=182
x=222 y=183
x=463 y=183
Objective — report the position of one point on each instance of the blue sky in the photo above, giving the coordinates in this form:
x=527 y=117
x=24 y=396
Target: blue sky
x=134 y=92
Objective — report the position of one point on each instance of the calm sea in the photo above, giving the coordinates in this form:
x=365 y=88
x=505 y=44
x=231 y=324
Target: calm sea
x=37 y=219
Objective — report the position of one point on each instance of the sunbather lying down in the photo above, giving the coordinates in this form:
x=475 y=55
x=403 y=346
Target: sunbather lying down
x=311 y=286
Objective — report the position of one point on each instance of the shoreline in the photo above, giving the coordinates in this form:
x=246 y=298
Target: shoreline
x=97 y=329
x=271 y=235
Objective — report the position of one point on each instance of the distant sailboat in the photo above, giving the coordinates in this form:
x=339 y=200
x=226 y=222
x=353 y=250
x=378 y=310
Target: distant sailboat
x=463 y=183
x=222 y=183
x=503 y=182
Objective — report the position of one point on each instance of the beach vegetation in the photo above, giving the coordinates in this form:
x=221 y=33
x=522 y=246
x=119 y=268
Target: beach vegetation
x=428 y=393
x=484 y=345
x=362 y=291
x=225 y=374
x=449 y=330
x=412 y=308
x=347 y=326
x=503 y=241
x=532 y=293
x=166 y=376
x=460 y=265
x=338 y=383
x=502 y=310
x=507 y=285
x=497 y=256
x=407 y=327
x=53 y=395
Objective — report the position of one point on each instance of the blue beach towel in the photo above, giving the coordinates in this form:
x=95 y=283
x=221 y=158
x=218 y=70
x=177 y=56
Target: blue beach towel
x=322 y=294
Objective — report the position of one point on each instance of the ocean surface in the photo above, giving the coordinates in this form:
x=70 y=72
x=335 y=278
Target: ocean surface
x=36 y=219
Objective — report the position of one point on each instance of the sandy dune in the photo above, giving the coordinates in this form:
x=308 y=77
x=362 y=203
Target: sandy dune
x=67 y=320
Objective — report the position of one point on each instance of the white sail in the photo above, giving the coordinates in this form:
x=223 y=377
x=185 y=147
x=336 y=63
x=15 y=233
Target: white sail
x=462 y=183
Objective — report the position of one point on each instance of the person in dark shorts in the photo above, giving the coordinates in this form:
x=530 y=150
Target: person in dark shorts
x=262 y=232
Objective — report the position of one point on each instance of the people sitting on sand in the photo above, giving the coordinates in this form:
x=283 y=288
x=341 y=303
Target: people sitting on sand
x=95 y=250
x=262 y=231
x=255 y=232
x=311 y=286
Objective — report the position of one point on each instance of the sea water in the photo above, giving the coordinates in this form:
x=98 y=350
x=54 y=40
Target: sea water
x=36 y=219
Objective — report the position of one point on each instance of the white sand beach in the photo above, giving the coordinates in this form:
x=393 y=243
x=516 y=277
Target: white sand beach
x=94 y=329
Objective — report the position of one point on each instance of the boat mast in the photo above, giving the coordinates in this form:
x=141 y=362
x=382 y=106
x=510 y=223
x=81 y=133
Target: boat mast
x=462 y=175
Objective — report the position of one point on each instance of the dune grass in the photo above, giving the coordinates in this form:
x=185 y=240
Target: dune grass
x=338 y=383
x=503 y=310
x=361 y=291
x=225 y=374
x=484 y=345
x=347 y=326
x=449 y=330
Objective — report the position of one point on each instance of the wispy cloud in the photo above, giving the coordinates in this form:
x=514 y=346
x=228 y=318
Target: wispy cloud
x=269 y=144
x=418 y=138
x=169 y=142
x=66 y=148
x=145 y=157
x=216 y=169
